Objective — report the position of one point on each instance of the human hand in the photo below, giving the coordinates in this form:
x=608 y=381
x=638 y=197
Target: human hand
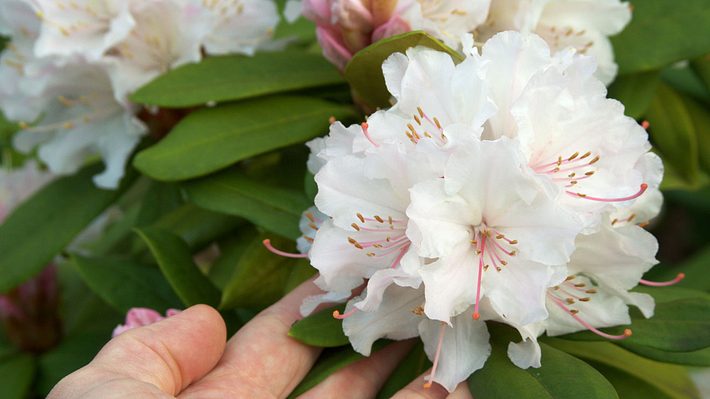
x=186 y=356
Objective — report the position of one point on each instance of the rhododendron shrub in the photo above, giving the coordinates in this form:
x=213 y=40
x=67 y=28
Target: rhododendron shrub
x=518 y=188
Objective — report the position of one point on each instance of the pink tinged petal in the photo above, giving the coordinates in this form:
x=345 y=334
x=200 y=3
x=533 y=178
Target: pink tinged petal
x=380 y=281
x=394 y=319
x=311 y=303
x=394 y=26
x=334 y=48
x=140 y=317
x=450 y=283
x=464 y=349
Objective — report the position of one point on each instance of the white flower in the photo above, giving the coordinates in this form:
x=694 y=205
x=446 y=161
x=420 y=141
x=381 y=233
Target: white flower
x=19 y=184
x=84 y=27
x=167 y=34
x=584 y=25
x=240 y=26
x=82 y=119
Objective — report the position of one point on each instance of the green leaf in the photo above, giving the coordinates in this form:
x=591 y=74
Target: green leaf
x=671 y=379
x=329 y=363
x=364 y=71
x=72 y=353
x=211 y=139
x=686 y=81
x=696 y=269
x=273 y=208
x=673 y=132
x=701 y=66
x=635 y=91
x=701 y=121
x=197 y=226
x=175 y=261
x=561 y=376
x=699 y=358
x=628 y=386
x=236 y=77
x=677 y=326
x=411 y=367
x=259 y=277
x=16 y=375
x=231 y=250
x=159 y=200
x=125 y=284
x=320 y=329
x=654 y=38
x=44 y=225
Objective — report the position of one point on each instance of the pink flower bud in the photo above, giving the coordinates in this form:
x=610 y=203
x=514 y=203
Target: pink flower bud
x=139 y=317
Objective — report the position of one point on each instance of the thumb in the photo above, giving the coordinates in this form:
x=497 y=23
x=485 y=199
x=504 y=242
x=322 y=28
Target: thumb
x=169 y=355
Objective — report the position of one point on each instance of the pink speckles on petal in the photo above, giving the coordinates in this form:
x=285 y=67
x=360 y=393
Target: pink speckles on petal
x=139 y=317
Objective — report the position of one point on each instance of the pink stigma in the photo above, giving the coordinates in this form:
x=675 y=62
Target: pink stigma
x=267 y=244
x=366 y=132
x=645 y=125
x=337 y=315
x=626 y=334
x=442 y=330
x=642 y=190
x=675 y=281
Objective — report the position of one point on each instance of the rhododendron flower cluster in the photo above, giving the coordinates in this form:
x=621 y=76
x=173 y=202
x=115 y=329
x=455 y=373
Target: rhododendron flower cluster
x=505 y=188
x=70 y=66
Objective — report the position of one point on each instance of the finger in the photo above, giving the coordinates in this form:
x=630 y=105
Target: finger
x=261 y=360
x=168 y=355
x=462 y=392
x=416 y=390
x=364 y=378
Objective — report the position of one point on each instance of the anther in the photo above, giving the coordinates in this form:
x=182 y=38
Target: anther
x=337 y=315
x=355 y=226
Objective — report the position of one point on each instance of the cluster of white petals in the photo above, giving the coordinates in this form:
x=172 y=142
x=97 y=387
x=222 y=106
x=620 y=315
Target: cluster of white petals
x=504 y=188
x=66 y=74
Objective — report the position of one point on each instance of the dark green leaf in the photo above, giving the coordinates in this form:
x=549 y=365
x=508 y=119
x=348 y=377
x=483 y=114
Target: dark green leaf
x=124 y=284
x=364 y=71
x=175 y=260
x=414 y=365
x=45 y=224
x=259 y=277
x=16 y=374
x=701 y=66
x=684 y=79
x=635 y=91
x=701 y=121
x=214 y=138
x=320 y=329
x=159 y=200
x=673 y=132
x=330 y=362
x=273 y=208
x=671 y=379
x=628 y=386
x=699 y=358
x=72 y=353
x=696 y=269
x=231 y=250
x=197 y=226
x=654 y=38
x=236 y=77
x=561 y=377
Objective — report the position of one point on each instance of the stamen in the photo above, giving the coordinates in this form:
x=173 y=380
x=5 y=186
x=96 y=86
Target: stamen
x=442 y=330
x=337 y=315
x=366 y=132
x=645 y=125
x=642 y=190
x=267 y=244
x=627 y=332
x=476 y=315
x=675 y=281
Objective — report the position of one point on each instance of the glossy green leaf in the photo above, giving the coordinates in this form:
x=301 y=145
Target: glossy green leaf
x=635 y=91
x=175 y=261
x=701 y=66
x=213 y=138
x=673 y=380
x=699 y=358
x=410 y=368
x=628 y=386
x=677 y=326
x=159 y=200
x=654 y=38
x=197 y=226
x=701 y=121
x=44 y=225
x=320 y=329
x=561 y=376
x=686 y=81
x=329 y=363
x=125 y=284
x=273 y=208
x=231 y=250
x=673 y=133
x=364 y=71
x=236 y=77
x=259 y=277
x=17 y=372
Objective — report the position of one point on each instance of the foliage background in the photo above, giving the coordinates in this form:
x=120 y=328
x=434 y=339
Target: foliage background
x=229 y=175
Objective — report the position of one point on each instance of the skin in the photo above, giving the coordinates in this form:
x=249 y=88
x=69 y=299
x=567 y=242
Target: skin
x=187 y=356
